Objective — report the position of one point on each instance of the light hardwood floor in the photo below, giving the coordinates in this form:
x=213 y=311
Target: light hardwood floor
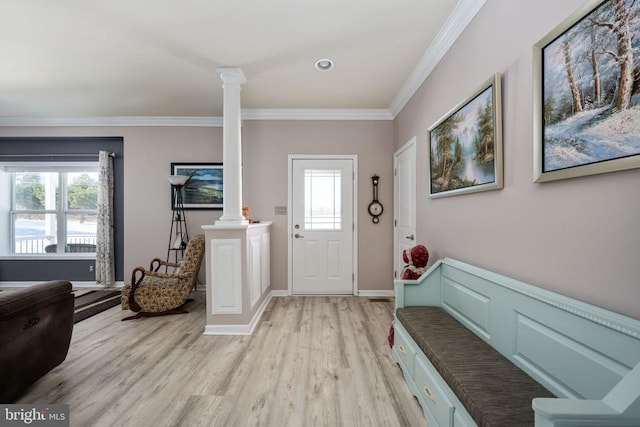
x=312 y=361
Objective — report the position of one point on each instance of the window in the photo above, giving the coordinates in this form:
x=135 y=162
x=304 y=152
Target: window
x=53 y=207
x=322 y=209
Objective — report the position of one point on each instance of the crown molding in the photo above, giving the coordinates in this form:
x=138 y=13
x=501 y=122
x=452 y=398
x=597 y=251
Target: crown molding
x=247 y=114
x=462 y=14
x=112 y=121
x=316 y=114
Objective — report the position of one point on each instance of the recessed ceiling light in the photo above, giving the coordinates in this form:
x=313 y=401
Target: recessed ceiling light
x=324 y=64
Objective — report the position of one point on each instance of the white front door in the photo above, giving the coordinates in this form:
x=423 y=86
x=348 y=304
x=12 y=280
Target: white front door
x=404 y=183
x=322 y=230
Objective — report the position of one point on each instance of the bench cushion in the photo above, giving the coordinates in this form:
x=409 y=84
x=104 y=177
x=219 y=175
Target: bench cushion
x=493 y=390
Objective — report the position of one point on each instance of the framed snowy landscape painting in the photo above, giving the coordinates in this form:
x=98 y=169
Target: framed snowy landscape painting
x=587 y=93
x=465 y=146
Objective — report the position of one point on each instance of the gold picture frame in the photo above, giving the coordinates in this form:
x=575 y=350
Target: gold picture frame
x=465 y=145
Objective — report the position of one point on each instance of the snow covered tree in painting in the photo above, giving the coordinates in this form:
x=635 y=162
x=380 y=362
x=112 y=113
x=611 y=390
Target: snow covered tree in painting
x=591 y=103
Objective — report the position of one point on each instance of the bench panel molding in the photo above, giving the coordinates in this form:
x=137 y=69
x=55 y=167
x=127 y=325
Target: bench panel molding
x=471 y=307
x=608 y=319
x=537 y=344
x=578 y=351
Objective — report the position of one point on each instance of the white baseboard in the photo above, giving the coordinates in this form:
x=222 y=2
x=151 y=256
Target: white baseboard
x=280 y=293
x=274 y=293
x=360 y=293
x=375 y=293
x=240 y=329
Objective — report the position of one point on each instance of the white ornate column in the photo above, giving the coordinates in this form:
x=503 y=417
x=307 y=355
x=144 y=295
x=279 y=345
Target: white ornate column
x=232 y=78
x=237 y=253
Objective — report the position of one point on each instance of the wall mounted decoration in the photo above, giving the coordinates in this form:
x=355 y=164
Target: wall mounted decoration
x=204 y=189
x=586 y=94
x=465 y=146
x=375 y=207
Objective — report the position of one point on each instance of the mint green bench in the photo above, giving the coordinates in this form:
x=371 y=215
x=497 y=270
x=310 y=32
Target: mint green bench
x=479 y=348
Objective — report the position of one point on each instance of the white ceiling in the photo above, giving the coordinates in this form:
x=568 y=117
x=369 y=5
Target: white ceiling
x=158 y=58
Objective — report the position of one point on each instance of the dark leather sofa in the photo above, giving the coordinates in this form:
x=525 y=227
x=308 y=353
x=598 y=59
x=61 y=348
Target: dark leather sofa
x=35 y=332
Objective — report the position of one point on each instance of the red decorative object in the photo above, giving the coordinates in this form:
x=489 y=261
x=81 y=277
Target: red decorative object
x=416 y=259
x=390 y=337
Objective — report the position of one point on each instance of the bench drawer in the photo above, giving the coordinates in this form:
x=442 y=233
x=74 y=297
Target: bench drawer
x=431 y=394
x=404 y=350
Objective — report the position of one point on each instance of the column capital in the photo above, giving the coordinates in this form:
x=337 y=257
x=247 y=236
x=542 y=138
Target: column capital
x=232 y=78
x=231 y=75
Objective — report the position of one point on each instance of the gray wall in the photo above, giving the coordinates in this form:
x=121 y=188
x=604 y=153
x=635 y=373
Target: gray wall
x=149 y=151
x=266 y=147
x=578 y=237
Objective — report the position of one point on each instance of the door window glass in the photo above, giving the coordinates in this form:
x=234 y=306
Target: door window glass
x=322 y=208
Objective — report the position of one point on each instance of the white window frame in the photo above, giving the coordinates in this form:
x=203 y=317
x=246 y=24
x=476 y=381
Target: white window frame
x=61 y=212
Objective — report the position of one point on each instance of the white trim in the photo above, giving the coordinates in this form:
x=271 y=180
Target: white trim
x=290 y=158
x=409 y=145
x=196 y=121
x=280 y=293
x=112 y=121
x=462 y=14
x=231 y=75
x=225 y=261
x=240 y=329
x=316 y=114
x=375 y=293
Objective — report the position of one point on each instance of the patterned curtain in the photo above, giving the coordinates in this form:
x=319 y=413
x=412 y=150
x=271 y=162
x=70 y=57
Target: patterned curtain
x=105 y=268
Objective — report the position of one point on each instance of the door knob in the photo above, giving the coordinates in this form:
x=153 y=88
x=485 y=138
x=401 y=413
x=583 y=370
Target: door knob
x=410 y=237
x=298 y=236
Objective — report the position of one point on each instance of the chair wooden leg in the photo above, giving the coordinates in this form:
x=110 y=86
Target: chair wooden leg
x=135 y=316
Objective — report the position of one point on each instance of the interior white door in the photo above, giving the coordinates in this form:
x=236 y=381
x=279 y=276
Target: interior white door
x=404 y=183
x=322 y=226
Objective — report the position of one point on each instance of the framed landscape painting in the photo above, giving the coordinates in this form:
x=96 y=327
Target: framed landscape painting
x=465 y=146
x=587 y=93
x=204 y=189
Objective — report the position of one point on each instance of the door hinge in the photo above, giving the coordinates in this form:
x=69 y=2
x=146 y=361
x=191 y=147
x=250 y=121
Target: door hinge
x=395 y=274
x=353 y=277
x=395 y=222
x=395 y=172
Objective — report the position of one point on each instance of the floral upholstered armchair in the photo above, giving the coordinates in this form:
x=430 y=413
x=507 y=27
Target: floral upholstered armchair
x=153 y=293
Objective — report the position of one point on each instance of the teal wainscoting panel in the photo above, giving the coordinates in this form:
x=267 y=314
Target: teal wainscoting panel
x=562 y=362
x=470 y=307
